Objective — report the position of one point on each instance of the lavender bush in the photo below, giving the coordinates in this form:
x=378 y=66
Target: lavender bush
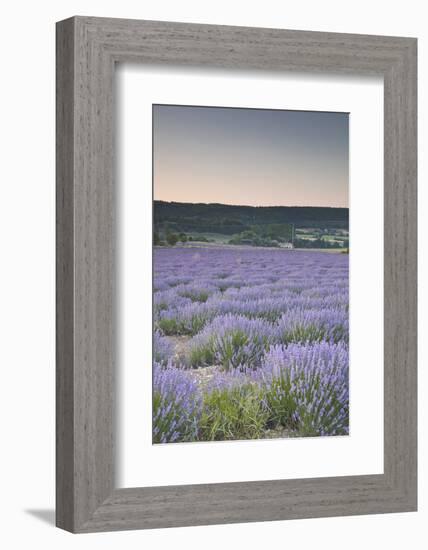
x=312 y=325
x=306 y=387
x=231 y=341
x=176 y=405
x=162 y=348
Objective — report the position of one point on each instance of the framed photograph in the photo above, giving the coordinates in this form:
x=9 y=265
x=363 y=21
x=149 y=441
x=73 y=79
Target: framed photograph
x=236 y=274
x=251 y=293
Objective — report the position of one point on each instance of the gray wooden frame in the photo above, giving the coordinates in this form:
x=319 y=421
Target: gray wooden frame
x=87 y=50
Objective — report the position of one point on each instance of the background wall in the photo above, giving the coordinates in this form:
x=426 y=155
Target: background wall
x=27 y=271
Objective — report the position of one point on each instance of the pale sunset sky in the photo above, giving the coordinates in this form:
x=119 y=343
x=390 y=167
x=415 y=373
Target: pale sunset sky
x=255 y=157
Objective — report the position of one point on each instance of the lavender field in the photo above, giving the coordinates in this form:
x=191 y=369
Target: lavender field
x=249 y=344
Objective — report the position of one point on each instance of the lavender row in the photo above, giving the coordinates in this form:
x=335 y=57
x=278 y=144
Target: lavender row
x=233 y=341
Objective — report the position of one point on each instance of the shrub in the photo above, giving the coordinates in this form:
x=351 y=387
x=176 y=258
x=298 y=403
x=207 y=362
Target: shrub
x=187 y=319
x=307 y=387
x=232 y=341
x=176 y=405
x=196 y=292
x=312 y=325
x=169 y=326
x=162 y=348
x=172 y=239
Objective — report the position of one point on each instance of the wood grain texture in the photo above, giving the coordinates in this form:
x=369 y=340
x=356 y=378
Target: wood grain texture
x=87 y=50
x=64 y=276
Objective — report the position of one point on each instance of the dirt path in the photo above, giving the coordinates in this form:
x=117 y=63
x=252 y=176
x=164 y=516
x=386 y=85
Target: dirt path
x=180 y=347
x=201 y=374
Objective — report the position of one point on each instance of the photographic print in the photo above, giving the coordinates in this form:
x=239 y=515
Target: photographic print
x=250 y=274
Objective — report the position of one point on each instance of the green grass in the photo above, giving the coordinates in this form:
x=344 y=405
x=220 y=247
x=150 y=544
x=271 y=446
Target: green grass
x=169 y=327
x=233 y=413
x=203 y=354
x=174 y=327
x=310 y=333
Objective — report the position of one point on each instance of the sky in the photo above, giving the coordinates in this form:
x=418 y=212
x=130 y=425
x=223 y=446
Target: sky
x=256 y=157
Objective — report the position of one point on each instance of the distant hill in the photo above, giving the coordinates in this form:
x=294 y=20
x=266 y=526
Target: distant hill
x=229 y=220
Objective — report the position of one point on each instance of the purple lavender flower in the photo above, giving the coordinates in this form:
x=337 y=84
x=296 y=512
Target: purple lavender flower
x=176 y=404
x=163 y=349
x=232 y=341
x=307 y=386
x=313 y=325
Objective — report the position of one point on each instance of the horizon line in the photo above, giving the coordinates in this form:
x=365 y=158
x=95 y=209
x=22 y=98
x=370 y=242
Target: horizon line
x=251 y=205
